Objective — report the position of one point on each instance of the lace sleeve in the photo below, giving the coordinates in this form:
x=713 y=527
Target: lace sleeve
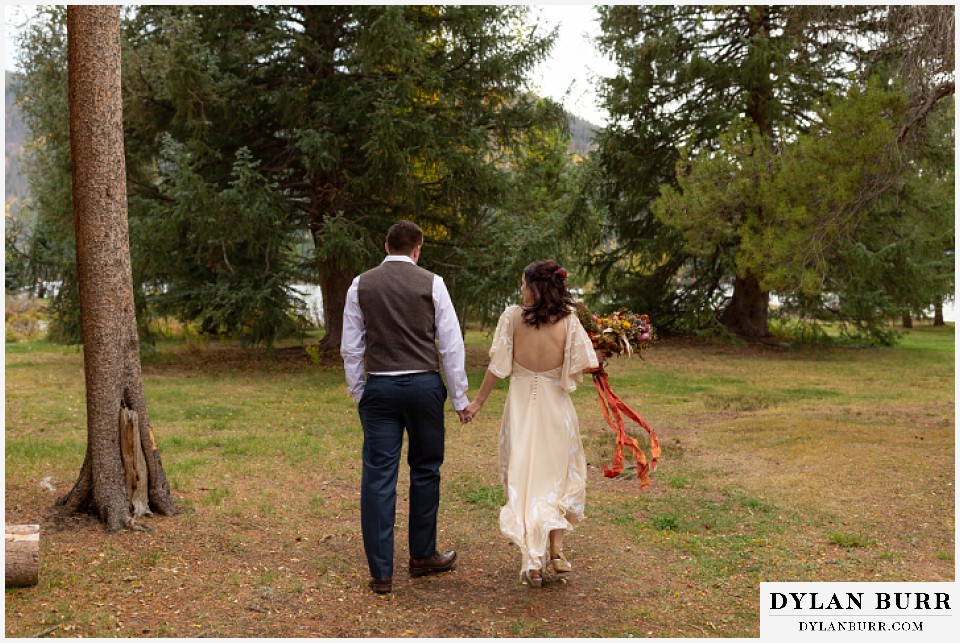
x=501 y=351
x=578 y=354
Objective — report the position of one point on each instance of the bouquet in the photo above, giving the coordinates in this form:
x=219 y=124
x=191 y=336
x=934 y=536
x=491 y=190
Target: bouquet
x=619 y=332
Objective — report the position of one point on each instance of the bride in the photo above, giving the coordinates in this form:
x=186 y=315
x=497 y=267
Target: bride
x=545 y=351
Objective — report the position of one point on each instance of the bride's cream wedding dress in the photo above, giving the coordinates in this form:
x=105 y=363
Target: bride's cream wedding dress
x=542 y=465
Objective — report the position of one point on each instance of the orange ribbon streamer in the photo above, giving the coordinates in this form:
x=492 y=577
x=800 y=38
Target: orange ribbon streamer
x=610 y=403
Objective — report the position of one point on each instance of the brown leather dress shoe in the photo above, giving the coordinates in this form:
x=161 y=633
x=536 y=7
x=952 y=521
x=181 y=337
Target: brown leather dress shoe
x=381 y=585
x=439 y=562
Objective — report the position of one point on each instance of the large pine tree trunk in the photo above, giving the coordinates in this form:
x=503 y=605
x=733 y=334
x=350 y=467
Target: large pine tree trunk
x=938 y=312
x=746 y=314
x=334 y=283
x=322 y=24
x=111 y=348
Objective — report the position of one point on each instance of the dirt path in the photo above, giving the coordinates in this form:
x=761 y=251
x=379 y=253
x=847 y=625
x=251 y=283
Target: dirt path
x=268 y=540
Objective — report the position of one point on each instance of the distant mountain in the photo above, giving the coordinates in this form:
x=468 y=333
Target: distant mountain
x=15 y=185
x=582 y=134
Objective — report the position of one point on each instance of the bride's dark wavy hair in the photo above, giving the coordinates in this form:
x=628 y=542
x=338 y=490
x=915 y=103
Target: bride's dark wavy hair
x=552 y=301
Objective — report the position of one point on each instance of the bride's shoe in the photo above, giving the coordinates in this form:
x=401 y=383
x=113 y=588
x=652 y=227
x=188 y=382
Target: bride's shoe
x=534 y=578
x=560 y=564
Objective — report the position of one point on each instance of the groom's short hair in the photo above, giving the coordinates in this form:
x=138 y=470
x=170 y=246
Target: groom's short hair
x=403 y=237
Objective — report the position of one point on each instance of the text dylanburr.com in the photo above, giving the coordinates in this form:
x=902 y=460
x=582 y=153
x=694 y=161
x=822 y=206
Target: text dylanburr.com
x=858 y=611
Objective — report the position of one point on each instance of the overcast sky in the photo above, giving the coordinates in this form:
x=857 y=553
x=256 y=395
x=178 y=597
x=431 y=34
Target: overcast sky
x=570 y=74
x=567 y=77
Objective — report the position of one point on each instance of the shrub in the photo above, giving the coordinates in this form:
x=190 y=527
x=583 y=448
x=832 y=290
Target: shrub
x=26 y=318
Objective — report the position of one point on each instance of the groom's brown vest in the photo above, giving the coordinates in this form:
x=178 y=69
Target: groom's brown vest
x=397 y=303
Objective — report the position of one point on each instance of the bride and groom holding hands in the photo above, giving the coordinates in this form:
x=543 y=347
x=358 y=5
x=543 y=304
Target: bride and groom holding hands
x=398 y=323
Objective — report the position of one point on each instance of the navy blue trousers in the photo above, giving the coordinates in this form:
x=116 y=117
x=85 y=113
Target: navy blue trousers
x=389 y=406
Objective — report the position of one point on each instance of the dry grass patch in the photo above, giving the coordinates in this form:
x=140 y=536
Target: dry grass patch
x=778 y=465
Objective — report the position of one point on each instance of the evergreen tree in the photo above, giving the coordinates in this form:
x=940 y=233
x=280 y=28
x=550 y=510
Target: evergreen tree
x=111 y=484
x=356 y=116
x=252 y=129
x=902 y=261
x=688 y=76
x=41 y=93
x=828 y=257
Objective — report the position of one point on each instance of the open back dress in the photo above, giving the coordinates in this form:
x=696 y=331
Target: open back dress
x=542 y=466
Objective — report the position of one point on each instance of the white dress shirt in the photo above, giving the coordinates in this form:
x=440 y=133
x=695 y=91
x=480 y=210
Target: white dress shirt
x=353 y=342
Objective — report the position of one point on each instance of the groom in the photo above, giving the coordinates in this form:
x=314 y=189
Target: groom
x=398 y=317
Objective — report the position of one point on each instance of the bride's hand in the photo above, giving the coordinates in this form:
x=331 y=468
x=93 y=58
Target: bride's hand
x=472 y=409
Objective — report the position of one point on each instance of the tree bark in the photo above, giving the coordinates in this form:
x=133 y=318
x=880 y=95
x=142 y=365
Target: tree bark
x=760 y=93
x=111 y=345
x=21 y=555
x=136 y=475
x=746 y=315
x=906 y=320
x=938 y=312
x=334 y=283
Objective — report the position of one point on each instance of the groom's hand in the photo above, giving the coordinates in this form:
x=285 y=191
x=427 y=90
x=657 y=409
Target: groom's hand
x=464 y=416
x=472 y=410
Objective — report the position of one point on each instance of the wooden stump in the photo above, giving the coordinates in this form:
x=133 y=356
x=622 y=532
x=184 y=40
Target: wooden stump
x=134 y=463
x=22 y=555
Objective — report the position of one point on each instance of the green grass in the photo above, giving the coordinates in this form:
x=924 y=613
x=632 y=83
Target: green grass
x=484 y=497
x=216 y=496
x=850 y=541
x=37 y=450
x=778 y=465
x=665 y=522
